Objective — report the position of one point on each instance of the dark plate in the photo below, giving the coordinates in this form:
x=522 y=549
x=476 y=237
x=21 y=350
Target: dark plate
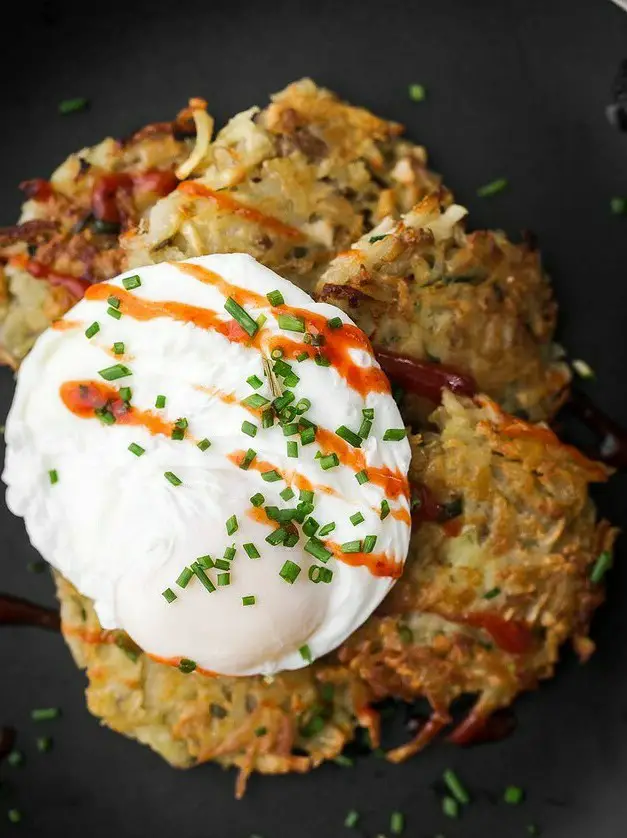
x=514 y=90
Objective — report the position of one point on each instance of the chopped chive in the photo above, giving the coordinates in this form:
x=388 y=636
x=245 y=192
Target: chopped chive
x=126 y=394
x=317 y=549
x=229 y=553
x=394 y=434
x=267 y=418
x=114 y=372
x=204 y=561
x=307 y=338
x=160 y=401
x=302 y=356
x=247 y=459
x=290 y=429
x=513 y=795
x=113 y=312
x=261 y=320
x=282 y=368
x=36 y=567
x=182 y=423
x=203 y=444
x=302 y=405
x=351 y=547
x=320 y=574
x=326 y=529
x=168 y=595
x=15 y=759
x=362 y=477
x=131 y=282
x=289 y=572
x=184 y=577
x=259 y=731
x=222 y=564
x=533 y=829
x=368 y=413
x=275 y=298
x=248 y=600
x=224 y=580
x=417 y=92
x=53 y=476
x=277 y=537
x=287 y=493
x=455 y=786
x=291 y=540
x=306 y=495
x=14 y=815
x=352 y=819
x=105 y=416
x=365 y=428
x=349 y=436
x=114 y=302
x=255 y=401
x=271 y=476
x=397 y=823
x=618 y=206
x=601 y=566
x=231 y=525
x=329 y=461
x=322 y=360
x=172 y=478
x=45 y=714
x=356 y=519
x=118 y=348
x=405 y=634
x=369 y=542
x=305 y=653
x=186 y=665
x=334 y=323
x=292 y=449
x=310 y=526
x=257 y=499
x=241 y=316
x=450 y=807
x=385 y=510
x=307 y=436
x=283 y=400
x=136 y=449
x=92 y=330
x=492 y=188
x=44 y=744
x=254 y=381
x=344 y=761
x=199 y=573
x=276 y=353
x=291 y=380
x=493 y=592
x=251 y=551
x=67 y=106
x=291 y=323
x=177 y=434
x=249 y=429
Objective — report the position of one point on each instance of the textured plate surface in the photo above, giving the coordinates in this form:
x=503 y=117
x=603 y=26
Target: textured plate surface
x=515 y=90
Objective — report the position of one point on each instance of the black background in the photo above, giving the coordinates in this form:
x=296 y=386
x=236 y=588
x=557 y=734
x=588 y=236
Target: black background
x=515 y=90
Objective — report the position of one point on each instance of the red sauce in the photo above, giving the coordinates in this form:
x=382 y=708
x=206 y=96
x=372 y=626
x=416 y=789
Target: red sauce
x=84 y=398
x=74 y=284
x=423 y=378
x=227 y=203
x=38 y=189
x=426 y=508
x=477 y=729
x=112 y=190
x=611 y=447
x=15 y=611
x=511 y=636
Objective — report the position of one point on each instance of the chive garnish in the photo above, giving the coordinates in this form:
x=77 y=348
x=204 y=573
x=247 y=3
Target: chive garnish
x=222 y=564
x=356 y=519
x=493 y=592
x=204 y=444
x=307 y=436
x=271 y=476
x=287 y=493
x=334 y=323
x=257 y=499
x=292 y=539
x=406 y=634
x=290 y=429
x=344 y=761
x=241 y=316
x=114 y=302
x=417 y=92
x=224 y=580
x=601 y=566
x=15 y=759
x=291 y=380
x=79 y=103
x=329 y=461
x=202 y=577
x=368 y=413
x=44 y=744
x=249 y=429
x=126 y=394
x=105 y=416
x=118 y=348
x=113 y=312
x=277 y=537
x=369 y=542
x=385 y=510
x=248 y=600
x=114 y=372
x=255 y=401
x=204 y=561
x=247 y=459
x=450 y=807
x=306 y=495
x=14 y=815
x=305 y=653
x=394 y=434
x=276 y=353
x=186 y=665
x=267 y=418
x=302 y=406
x=455 y=786
x=351 y=547
x=365 y=428
x=618 y=206
x=513 y=795
x=302 y=356
x=397 y=823
x=492 y=188
x=168 y=595
x=291 y=323
x=229 y=553
x=92 y=330
x=254 y=381
x=362 y=477
x=275 y=298
x=131 y=282
x=349 y=436
x=282 y=368
x=45 y=714
x=160 y=401
x=292 y=449
x=251 y=551
x=320 y=574
x=172 y=478
x=53 y=476
x=184 y=577
x=136 y=449
x=317 y=549
x=322 y=360
x=289 y=572
x=310 y=526
x=326 y=529
x=231 y=525
x=352 y=819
